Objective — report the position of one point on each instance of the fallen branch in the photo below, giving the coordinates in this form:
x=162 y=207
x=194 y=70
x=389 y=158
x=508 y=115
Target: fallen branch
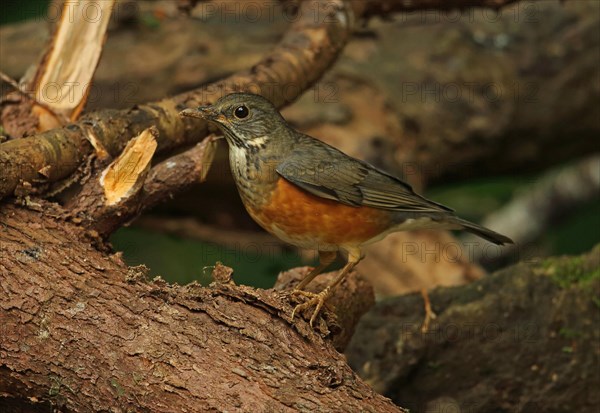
x=524 y=339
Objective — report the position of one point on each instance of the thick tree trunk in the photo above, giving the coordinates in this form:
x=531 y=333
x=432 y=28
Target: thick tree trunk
x=83 y=332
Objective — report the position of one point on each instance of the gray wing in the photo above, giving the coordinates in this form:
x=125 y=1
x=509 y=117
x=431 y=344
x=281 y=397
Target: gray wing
x=324 y=171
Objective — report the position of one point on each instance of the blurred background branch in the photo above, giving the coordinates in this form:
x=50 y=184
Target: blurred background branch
x=542 y=204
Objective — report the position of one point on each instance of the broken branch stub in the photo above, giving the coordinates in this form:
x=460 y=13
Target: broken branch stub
x=126 y=174
x=114 y=194
x=63 y=80
x=129 y=185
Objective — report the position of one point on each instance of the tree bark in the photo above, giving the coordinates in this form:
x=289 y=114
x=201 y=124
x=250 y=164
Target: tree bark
x=81 y=331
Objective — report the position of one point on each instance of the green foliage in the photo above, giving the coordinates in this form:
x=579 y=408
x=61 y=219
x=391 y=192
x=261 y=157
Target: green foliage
x=578 y=233
x=477 y=198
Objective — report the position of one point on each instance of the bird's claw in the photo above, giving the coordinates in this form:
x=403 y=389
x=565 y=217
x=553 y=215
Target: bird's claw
x=318 y=300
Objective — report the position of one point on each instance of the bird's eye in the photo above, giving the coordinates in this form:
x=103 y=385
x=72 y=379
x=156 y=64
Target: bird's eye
x=241 y=112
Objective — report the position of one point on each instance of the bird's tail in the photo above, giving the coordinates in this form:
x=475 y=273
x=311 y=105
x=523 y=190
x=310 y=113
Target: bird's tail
x=483 y=232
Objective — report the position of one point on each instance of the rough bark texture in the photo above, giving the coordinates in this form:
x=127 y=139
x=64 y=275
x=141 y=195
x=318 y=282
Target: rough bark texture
x=522 y=340
x=81 y=331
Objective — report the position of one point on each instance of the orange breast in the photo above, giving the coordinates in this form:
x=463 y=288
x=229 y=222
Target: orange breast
x=309 y=221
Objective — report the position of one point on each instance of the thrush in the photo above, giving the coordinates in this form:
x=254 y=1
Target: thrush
x=311 y=195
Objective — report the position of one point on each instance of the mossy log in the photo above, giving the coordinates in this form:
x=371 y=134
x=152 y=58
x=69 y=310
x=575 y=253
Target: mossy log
x=524 y=339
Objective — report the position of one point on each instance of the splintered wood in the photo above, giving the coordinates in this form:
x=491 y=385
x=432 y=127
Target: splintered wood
x=126 y=174
x=63 y=80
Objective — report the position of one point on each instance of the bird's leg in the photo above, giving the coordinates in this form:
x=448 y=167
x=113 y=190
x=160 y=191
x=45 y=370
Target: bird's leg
x=429 y=314
x=318 y=300
x=325 y=260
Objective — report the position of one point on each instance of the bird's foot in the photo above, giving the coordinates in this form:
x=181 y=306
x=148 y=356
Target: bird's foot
x=318 y=300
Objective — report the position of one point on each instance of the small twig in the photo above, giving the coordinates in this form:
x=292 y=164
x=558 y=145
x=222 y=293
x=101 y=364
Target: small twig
x=15 y=85
x=6 y=78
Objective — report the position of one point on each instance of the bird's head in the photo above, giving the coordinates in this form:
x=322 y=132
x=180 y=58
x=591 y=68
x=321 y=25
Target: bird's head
x=244 y=118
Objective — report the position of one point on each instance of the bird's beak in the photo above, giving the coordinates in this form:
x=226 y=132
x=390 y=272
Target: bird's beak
x=202 y=112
